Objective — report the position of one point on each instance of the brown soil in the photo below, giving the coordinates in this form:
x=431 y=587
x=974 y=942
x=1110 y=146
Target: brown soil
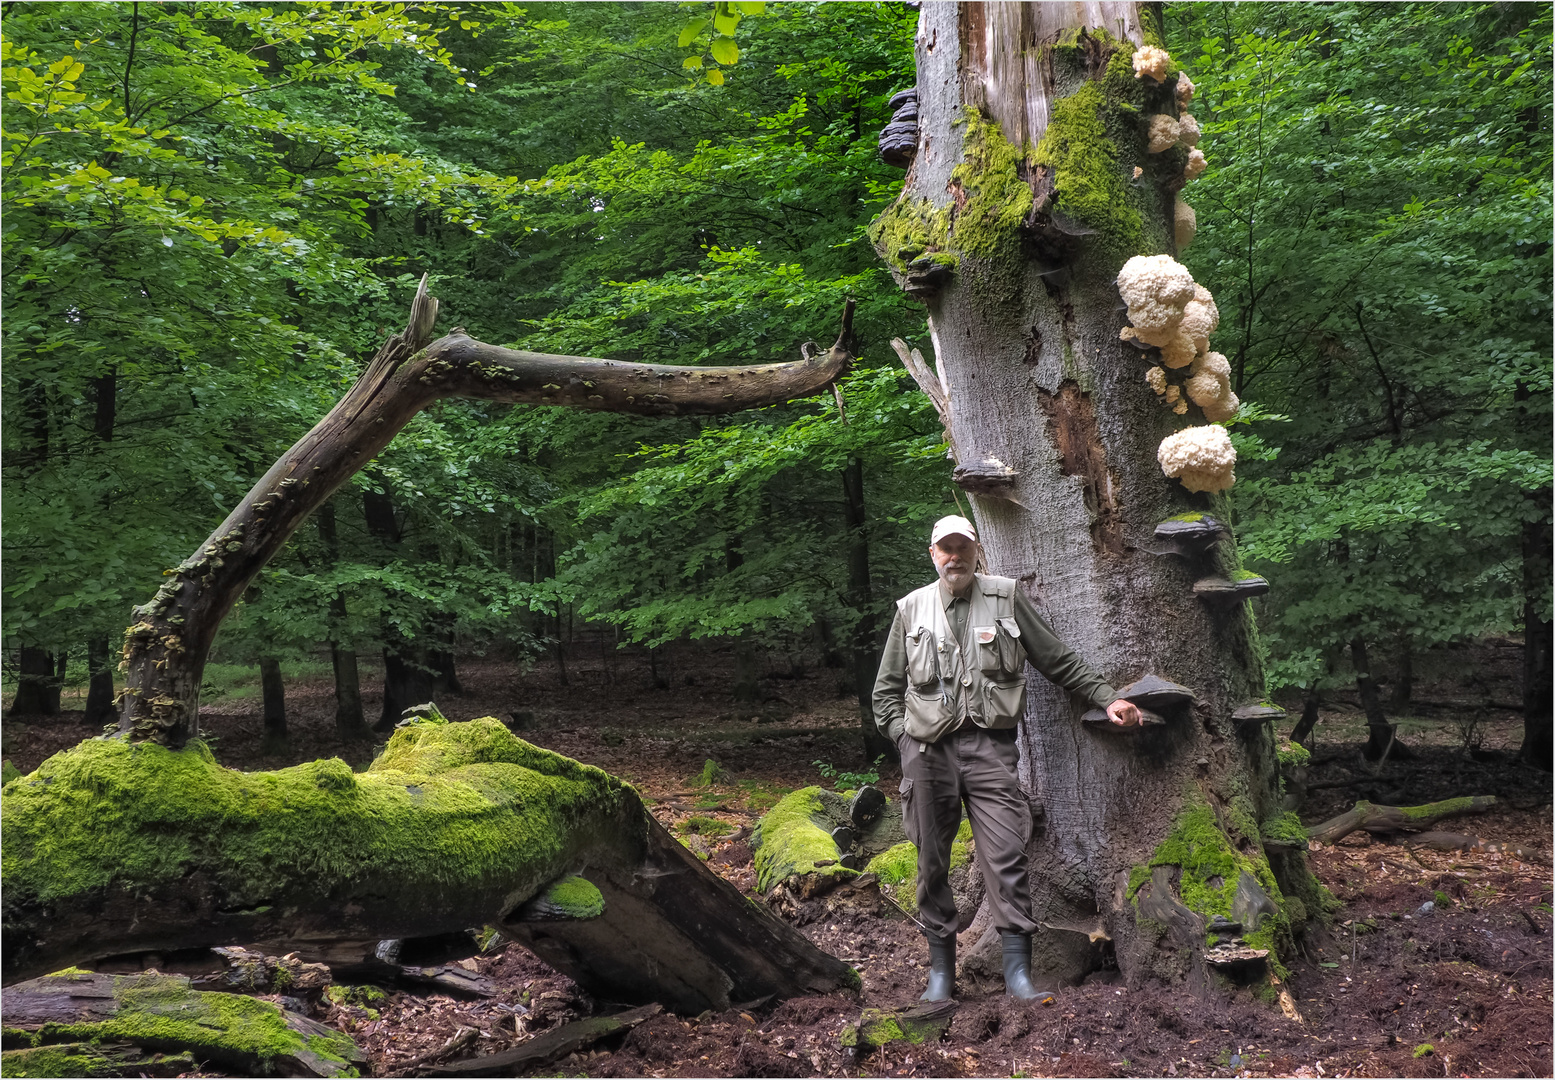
x=1463 y=989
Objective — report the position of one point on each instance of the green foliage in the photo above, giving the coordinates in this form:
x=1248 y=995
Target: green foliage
x=843 y=780
x=702 y=825
x=1394 y=313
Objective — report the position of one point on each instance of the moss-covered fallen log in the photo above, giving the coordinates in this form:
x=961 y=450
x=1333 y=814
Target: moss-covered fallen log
x=1386 y=820
x=82 y=1024
x=116 y=847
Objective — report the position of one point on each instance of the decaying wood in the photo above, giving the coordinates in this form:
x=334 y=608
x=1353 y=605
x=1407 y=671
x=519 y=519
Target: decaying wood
x=920 y=1022
x=160 y=1013
x=460 y=1039
x=1448 y=841
x=1386 y=820
x=166 y=647
x=437 y=835
x=552 y=1046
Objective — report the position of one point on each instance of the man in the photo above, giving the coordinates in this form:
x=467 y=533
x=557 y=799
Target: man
x=950 y=692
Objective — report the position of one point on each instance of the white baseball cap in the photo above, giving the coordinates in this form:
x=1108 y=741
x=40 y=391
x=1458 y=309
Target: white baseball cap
x=953 y=524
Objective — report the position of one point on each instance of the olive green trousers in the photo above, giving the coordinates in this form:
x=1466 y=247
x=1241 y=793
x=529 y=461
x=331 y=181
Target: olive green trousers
x=976 y=767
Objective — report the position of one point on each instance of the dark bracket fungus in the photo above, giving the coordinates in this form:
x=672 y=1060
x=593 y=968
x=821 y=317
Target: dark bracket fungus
x=866 y=805
x=899 y=138
x=1100 y=718
x=1223 y=591
x=1257 y=713
x=990 y=477
x=1191 y=536
x=926 y=276
x=1157 y=694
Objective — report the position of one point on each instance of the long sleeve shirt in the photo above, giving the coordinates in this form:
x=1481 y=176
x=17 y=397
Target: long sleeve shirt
x=1047 y=654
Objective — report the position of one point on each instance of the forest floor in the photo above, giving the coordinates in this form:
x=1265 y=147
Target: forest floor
x=1462 y=988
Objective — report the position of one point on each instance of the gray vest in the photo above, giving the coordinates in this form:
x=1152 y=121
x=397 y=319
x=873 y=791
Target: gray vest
x=944 y=683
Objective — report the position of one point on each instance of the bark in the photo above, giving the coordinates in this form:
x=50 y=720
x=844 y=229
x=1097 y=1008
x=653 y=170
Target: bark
x=37 y=688
x=1055 y=432
x=407 y=681
x=166 y=648
x=1393 y=819
x=454 y=825
x=866 y=657
x=99 y=690
x=1404 y=678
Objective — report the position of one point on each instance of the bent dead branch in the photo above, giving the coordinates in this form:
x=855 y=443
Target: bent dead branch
x=166 y=647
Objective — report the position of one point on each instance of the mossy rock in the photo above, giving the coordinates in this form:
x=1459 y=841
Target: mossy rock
x=84 y=1059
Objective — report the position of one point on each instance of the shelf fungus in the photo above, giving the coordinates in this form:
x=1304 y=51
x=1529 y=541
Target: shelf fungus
x=1259 y=712
x=898 y=143
x=1157 y=694
x=1191 y=537
x=1224 y=590
x=1237 y=958
x=987 y=477
x=1100 y=718
x=927 y=275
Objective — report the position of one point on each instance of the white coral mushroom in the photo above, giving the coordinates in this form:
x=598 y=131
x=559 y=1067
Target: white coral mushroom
x=1196 y=164
x=1180 y=351
x=1164 y=133
x=1185 y=223
x=1209 y=385
x=1188 y=132
x=1151 y=61
x=1181 y=408
x=1222 y=408
x=1174 y=395
x=1156 y=288
x=1156 y=377
x=1184 y=90
x=1200 y=318
x=1201 y=457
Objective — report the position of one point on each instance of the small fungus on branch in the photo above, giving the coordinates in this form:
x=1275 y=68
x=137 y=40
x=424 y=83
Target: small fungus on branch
x=1185 y=223
x=1196 y=164
x=1184 y=90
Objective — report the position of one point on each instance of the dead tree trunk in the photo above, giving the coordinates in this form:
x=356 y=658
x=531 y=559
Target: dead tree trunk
x=37 y=690
x=453 y=826
x=1030 y=187
x=166 y=648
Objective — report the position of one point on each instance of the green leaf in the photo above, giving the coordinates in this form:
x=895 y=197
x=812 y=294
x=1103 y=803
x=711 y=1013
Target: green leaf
x=725 y=51
x=689 y=32
x=692 y=63
x=715 y=77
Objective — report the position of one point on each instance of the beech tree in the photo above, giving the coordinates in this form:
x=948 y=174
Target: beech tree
x=1031 y=183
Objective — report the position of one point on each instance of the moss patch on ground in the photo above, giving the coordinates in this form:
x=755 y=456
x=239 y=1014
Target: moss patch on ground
x=897 y=866
x=463 y=809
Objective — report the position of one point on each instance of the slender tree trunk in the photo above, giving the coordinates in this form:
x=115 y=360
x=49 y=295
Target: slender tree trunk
x=37 y=689
x=167 y=646
x=407 y=681
x=1537 y=641
x=350 y=725
x=272 y=689
x=866 y=657
x=1302 y=732
x=1055 y=432
x=99 y=690
x=1404 y=679
x=1381 y=733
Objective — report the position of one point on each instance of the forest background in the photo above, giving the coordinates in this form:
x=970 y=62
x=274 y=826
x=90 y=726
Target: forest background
x=215 y=212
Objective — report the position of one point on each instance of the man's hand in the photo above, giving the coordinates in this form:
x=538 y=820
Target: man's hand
x=1123 y=713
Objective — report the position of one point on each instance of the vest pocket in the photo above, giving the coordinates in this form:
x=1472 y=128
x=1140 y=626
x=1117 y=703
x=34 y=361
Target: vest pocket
x=999 y=651
x=1005 y=702
x=922 y=658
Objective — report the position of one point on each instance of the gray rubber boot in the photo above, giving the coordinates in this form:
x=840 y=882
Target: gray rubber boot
x=1017 y=970
x=942 y=969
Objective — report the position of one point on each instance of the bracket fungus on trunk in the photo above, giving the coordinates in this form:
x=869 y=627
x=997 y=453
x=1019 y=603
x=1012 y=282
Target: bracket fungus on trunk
x=1224 y=591
x=1191 y=536
x=1257 y=712
x=987 y=477
x=898 y=143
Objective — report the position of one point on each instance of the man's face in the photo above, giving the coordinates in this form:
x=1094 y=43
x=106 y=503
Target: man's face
x=954 y=557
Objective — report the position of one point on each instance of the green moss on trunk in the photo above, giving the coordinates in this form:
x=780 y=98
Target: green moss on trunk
x=790 y=844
